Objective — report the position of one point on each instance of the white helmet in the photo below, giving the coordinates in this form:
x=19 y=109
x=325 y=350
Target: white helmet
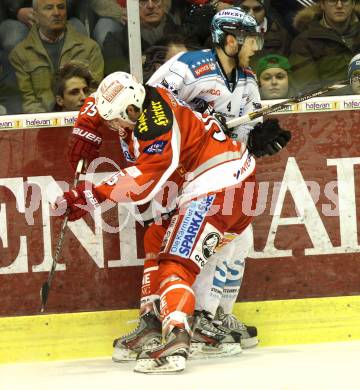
x=115 y=93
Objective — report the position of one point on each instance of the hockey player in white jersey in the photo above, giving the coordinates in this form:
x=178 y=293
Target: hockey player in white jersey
x=220 y=81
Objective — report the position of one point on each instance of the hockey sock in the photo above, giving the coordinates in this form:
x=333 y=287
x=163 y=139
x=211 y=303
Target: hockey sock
x=177 y=299
x=210 y=283
x=232 y=286
x=150 y=285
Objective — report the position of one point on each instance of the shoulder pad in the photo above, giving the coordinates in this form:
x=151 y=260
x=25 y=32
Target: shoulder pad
x=156 y=119
x=200 y=62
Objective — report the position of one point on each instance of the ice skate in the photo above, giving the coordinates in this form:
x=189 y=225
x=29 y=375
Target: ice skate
x=228 y=323
x=167 y=358
x=210 y=342
x=145 y=336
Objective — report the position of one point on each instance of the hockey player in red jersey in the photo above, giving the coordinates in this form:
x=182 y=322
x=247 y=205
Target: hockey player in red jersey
x=168 y=136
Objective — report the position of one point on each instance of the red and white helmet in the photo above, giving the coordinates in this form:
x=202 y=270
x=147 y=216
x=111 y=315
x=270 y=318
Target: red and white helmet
x=115 y=93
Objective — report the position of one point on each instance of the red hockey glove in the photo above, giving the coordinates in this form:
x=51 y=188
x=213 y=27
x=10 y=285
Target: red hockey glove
x=79 y=201
x=83 y=144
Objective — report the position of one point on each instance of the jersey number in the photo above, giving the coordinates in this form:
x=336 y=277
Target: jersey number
x=90 y=109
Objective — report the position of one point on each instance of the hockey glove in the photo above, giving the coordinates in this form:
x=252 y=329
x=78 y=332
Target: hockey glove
x=202 y=106
x=267 y=138
x=222 y=123
x=79 y=201
x=84 y=144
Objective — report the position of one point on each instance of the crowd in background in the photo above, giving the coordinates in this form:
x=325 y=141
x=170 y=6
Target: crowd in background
x=53 y=53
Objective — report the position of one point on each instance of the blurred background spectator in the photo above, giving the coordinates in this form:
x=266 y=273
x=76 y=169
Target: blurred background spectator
x=288 y=9
x=274 y=76
x=73 y=83
x=103 y=17
x=276 y=38
x=10 y=98
x=197 y=17
x=20 y=18
x=51 y=43
x=354 y=74
x=329 y=38
x=155 y=23
x=163 y=50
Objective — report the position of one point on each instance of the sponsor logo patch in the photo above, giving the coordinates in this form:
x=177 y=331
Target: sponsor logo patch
x=210 y=242
x=158 y=114
x=191 y=224
x=206 y=245
x=111 y=91
x=157 y=119
x=320 y=106
x=155 y=148
x=204 y=69
x=349 y=104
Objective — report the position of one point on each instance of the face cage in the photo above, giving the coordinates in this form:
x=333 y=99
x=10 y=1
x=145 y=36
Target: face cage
x=259 y=38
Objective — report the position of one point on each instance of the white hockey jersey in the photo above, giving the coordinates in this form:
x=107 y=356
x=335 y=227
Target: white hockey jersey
x=198 y=75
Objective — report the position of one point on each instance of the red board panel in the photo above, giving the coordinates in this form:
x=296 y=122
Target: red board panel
x=306 y=236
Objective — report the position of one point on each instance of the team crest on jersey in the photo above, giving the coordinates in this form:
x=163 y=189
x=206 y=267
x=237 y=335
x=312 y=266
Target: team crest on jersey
x=156 y=148
x=202 y=68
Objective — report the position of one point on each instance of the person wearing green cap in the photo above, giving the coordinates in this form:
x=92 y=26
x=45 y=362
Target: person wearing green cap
x=273 y=75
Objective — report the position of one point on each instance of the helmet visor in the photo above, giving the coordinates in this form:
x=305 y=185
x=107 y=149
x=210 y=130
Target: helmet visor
x=256 y=40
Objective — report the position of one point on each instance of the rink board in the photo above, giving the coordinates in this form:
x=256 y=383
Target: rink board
x=306 y=236
x=90 y=334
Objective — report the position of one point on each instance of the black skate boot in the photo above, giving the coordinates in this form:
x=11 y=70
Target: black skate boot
x=209 y=341
x=228 y=323
x=167 y=358
x=146 y=335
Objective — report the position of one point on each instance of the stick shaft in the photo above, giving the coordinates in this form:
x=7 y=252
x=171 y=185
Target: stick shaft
x=280 y=106
x=44 y=292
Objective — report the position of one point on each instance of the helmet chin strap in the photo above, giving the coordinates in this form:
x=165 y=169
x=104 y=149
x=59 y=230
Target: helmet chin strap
x=234 y=56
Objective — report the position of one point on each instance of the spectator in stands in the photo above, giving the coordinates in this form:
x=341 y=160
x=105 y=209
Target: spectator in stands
x=10 y=98
x=73 y=83
x=198 y=15
x=329 y=38
x=163 y=50
x=291 y=7
x=20 y=18
x=107 y=16
x=354 y=74
x=276 y=38
x=50 y=44
x=273 y=73
x=155 y=23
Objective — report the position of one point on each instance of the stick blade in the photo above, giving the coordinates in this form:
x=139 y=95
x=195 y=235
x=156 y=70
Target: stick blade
x=44 y=294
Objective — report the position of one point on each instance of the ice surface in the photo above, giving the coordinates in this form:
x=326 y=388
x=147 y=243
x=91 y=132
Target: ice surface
x=296 y=367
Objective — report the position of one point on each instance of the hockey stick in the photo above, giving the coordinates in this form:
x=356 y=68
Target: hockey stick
x=44 y=292
x=280 y=106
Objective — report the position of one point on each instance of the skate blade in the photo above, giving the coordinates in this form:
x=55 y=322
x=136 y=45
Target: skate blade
x=250 y=342
x=122 y=355
x=206 y=351
x=165 y=365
